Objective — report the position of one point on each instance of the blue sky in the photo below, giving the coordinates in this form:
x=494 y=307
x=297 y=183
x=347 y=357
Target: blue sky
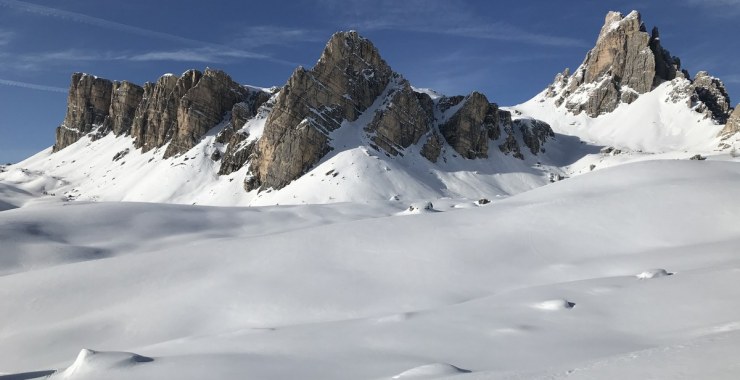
x=509 y=50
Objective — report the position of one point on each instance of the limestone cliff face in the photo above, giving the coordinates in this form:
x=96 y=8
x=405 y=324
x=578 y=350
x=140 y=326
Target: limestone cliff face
x=88 y=104
x=402 y=120
x=239 y=148
x=203 y=105
x=471 y=126
x=174 y=110
x=156 y=117
x=346 y=80
x=625 y=62
x=733 y=123
x=622 y=53
x=124 y=102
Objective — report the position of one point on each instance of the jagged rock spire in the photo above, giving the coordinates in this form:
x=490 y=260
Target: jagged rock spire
x=345 y=81
x=625 y=62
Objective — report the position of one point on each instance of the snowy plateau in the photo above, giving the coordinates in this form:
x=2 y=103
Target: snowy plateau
x=609 y=254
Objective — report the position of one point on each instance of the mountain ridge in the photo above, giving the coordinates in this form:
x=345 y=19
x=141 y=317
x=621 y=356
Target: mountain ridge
x=348 y=78
x=352 y=106
x=627 y=62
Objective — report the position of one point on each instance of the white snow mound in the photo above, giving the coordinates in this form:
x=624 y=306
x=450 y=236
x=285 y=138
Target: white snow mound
x=557 y=304
x=431 y=371
x=653 y=273
x=89 y=362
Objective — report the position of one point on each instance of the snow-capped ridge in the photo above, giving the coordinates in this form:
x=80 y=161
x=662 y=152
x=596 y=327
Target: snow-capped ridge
x=625 y=63
x=352 y=114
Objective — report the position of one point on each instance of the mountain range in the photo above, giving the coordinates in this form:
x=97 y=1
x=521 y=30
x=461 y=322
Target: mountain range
x=352 y=129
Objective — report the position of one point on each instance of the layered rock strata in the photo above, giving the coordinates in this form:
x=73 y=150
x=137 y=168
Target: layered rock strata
x=346 y=80
x=626 y=62
x=175 y=110
x=88 y=104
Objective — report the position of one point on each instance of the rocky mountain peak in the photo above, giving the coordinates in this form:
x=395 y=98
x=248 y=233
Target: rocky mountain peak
x=292 y=128
x=625 y=62
x=346 y=80
x=350 y=51
x=353 y=64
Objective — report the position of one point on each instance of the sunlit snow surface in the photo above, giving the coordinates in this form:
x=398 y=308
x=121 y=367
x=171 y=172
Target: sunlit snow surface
x=546 y=283
x=626 y=270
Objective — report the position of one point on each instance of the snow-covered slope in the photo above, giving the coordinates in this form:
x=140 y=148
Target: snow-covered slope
x=112 y=169
x=657 y=125
x=656 y=122
x=546 y=284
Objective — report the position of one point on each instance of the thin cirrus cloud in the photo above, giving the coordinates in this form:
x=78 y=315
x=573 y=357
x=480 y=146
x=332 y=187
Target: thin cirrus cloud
x=490 y=31
x=32 y=86
x=451 y=18
x=94 y=21
x=197 y=54
x=717 y=8
x=5 y=37
x=731 y=78
x=268 y=35
x=203 y=55
x=715 y=3
x=42 y=61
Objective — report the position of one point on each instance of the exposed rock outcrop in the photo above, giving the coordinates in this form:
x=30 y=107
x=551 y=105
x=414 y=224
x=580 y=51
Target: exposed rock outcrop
x=621 y=55
x=402 y=120
x=509 y=144
x=125 y=100
x=207 y=98
x=239 y=149
x=156 y=116
x=174 y=110
x=626 y=62
x=534 y=133
x=710 y=97
x=88 y=103
x=346 y=80
x=432 y=148
x=250 y=107
x=471 y=126
x=733 y=123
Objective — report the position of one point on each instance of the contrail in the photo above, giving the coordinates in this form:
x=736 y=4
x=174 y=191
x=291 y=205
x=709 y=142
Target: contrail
x=32 y=86
x=108 y=24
